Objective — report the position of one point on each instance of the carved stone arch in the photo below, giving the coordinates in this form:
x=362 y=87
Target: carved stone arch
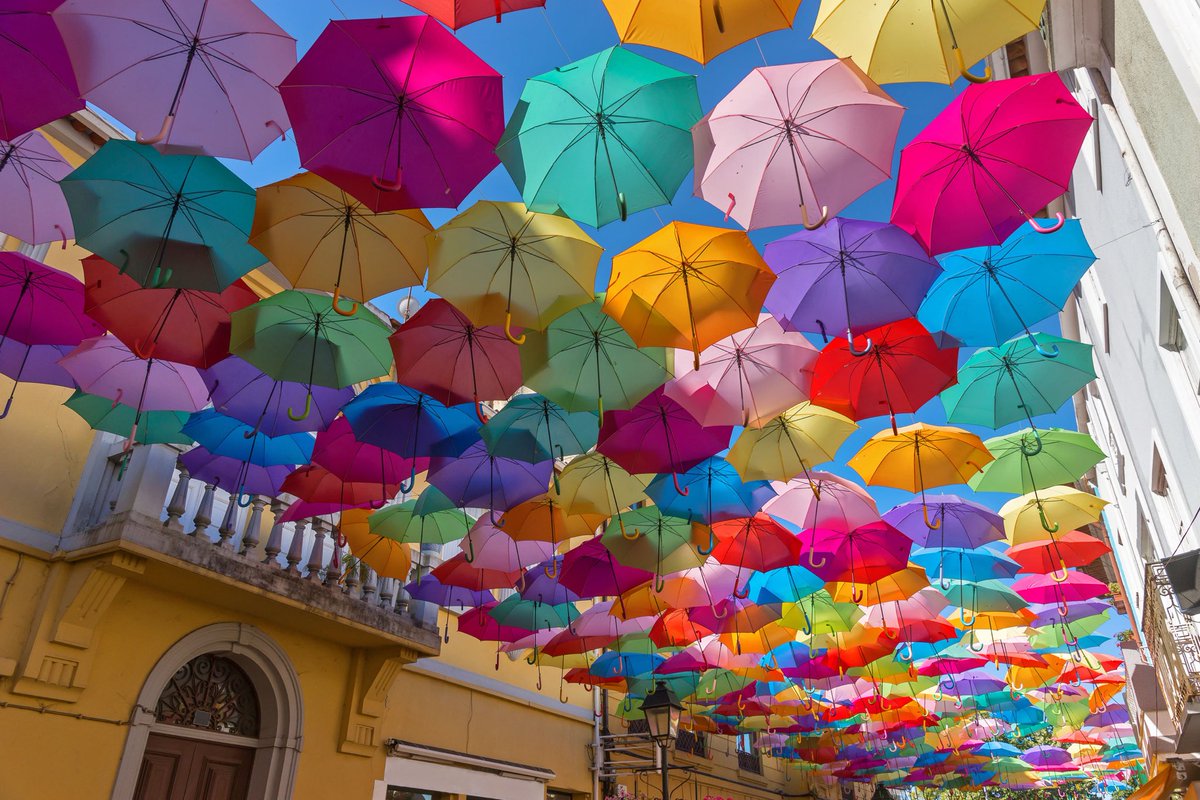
x=281 y=715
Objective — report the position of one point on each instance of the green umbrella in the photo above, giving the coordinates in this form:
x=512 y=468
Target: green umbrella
x=1029 y=460
x=818 y=613
x=602 y=137
x=975 y=596
x=532 y=615
x=533 y=428
x=154 y=427
x=1000 y=385
x=297 y=336
x=717 y=683
x=646 y=539
x=166 y=220
x=1059 y=635
x=411 y=523
x=584 y=360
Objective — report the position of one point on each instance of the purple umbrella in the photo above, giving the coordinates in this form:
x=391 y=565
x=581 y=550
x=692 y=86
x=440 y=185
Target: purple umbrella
x=32 y=363
x=37 y=84
x=1050 y=613
x=240 y=390
x=972 y=683
x=590 y=570
x=537 y=586
x=477 y=479
x=200 y=75
x=32 y=206
x=847 y=275
x=1046 y=756
x=963 y=523
x=229 y=473
x=1115 y=715
x=430 y=590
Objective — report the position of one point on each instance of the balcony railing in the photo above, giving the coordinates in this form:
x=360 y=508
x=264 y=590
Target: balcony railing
x=750 y=762
x=1174 y=646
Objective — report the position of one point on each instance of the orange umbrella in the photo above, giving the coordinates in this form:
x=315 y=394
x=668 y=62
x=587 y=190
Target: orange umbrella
x=389 y=558
x=544 y=519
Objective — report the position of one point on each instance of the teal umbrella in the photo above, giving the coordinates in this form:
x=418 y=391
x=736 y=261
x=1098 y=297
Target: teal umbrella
x=602 y=137
x=166 y=220
x=532 y=615
x=1030 y=459
x=154 y=427
x=532 y=428
x=1014 y=381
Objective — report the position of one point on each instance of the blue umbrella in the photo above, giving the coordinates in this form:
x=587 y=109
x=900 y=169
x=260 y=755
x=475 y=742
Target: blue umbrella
x=232 y=438
x=709 y=492
x=988 y=294
x=625 y=665
x=409 y=423
x=784 y=585
x=955 y=563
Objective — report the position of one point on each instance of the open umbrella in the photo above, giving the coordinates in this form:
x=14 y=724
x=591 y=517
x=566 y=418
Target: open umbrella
x=40 y=304
x=790 y=444
x=696 y=29
x=594 y=484
x=232 y=474
x=1029 y=460
x=337 y=450
x=710 y=491
x=1031 y=516
x=1053 y=555
x=241 y=390
x=409 y=523
x=396 y=111
x=477 y=479
x=226 y=436
x=156 y=427
x=409 y=423
x=648 y=539
x=457 y=13
x=963 y=523
x=389 y=559
x=603 y=137
x=532 y=428
x=795 y=143
x=823 y=500
x=32 y=206
x=38 y=85
x=591 y=570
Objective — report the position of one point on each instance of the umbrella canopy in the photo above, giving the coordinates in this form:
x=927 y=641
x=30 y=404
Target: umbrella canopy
x=1031 y=516
x=178 y=221
x=795 y=143
x=319 y=237
x=457 y=13
x=396 y=111
x=649 y=537
x=39 y=83
x=862 y=556
x=710 y=491
x=591 y=570
x=190 y=77
x=658 y=435
x=409 y=423
x=389 y=559
x=532 y=428
x=156 y=427
x=316 y=484
x=502 y=264
x=34 y=363
x=790 y=444
x=1062 y=550
x=241 y=390
x=234 y=475
x=408 y=523
x=997 y=153
x=226 y=436
x=920 y=456
x=963 y=523
x=103 y=366
x=1030 y=459
x=823 y=500
x=477 y=479
x=489 y=547
x=337 y=450
x=695 y=29
x=42 y=305
x=603 y=137
x=688 y=286
x=32 y=206
x=594 y=484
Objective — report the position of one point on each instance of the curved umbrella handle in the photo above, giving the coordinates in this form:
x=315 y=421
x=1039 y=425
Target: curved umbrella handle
x=812 y=226
x=906 y=654
x=622 y=206
x=508 y=330
x=724 y=613
x=1044 y=352
x=479 y=411
x=561 y=697
x=1012 y=692
x=1059 y=221
x=624 y=534
x=891 y=634
x=1072 y=642
x=741 y=594
x=1047 y=526
x=294 y=417
x=8 y=404
x=62 y=235
x=1035 y=448
x=336 y=303
x=732 y=204
x=250 y=434
x=806 y=628
x=273 y=124
x=140 y=350
x=824 y=333
x=962 y=69
x=551 y=571
x=117 y=400
x=160 y=276
x=857 y=593
x=933 y=526
x=163 y=132
x=124 y=261
x=975 y=649
x=387 y=186
x=469 y=553
x=945 y=583
x=660 y=583
x=813 y=563
x=249 y=498
x=378 y=504
x=682 y=490
x=1063 y=608
x=963 y=616
x=712 y=543
x=1054 y=576
x=407 y=486
x=854 y=351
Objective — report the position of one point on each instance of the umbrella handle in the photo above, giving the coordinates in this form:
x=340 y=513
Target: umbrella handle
x=743 y=593
x=854 y=351
x=732 y=203
x=1059 y=218
x=712 y=543
x=1054 y=576
x=117 y=400
x=159 y=277
x=963 y=616
x=249 y=498
x=891 y=634
x=1012 y=692
x=973 y=648
x=933 y=526
x=812 y=226
x=531 y=659
x=140 y=350
x=683 y=490
x=469 y=553
x=856 y=593
x=294 y=417
x=622 y=206
x=132 y=438
x=499 y=11
x=336 y=303
x=8 y=404
x=479 y=411
x=660 y=583
x=1035 y=448
x=561 y=698
x=508 y=330
x=1047 y=526
x=812 y=563
x=906 y=653
x=724 y=613
x=273 y=124
x=387 y=186
x=816 y=490
x=962 y=69
x=1073 y=641
x=551 y=571
x=945 y=583
x=626 y=536
x=412 y=480
x=378 y=504
x=1044 y=352
x=1063 y=608
x=163 y=132
x=824 y=333
x=124 y=261
x=61 y=234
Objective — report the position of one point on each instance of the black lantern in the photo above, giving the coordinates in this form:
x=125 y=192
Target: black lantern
x=662 y=710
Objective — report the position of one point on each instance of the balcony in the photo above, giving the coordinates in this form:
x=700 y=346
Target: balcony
x=1173 y=642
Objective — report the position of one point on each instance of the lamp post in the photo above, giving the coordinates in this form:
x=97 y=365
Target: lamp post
x=662 y=710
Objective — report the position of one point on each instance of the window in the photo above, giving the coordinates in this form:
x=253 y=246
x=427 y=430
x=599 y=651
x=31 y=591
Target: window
x=1158 y=476
x=1147 y=547
x=1118 y=459
x=211 y=693
x=692 y=742
x=1104 y=328
x=749 y=759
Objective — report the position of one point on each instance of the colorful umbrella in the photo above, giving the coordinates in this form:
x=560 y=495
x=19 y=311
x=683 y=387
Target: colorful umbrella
x=1029 y=460
x=234 y=475
x=337 y=450
x=396 y=111
x=823 y=500
x=40 y=304
x=34 y=363
x=477 y=479
x=409 y=523
x=39 y=84
x=603 y=137
x=226 y=436
x=1063 y=550
x=240 y=390
x=387 y=558
x=532 y=428
x=594 y=484
x=409 y=423
x=859 y=557
x=103 y=366
x=457 y=13
x=963 y=523
x=1031 y=516
x=591 y=570
x=648 y=539
x=155 y=427
x=694 y=28
x=710 y=491
x=317 y=485
x=489 y=547
x=32 y=206
x=790 y=444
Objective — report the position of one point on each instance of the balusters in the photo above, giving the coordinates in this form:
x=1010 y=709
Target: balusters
x=368 y=586
x=203 y=518
x=333 y=573
x=178 y=504
x=386 y=594
x=253 y=524
x=228 y=525
x=316 y=556
x=296 y=549
x=275 y=537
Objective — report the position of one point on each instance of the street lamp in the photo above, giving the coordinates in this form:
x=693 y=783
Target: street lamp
x=662 y=710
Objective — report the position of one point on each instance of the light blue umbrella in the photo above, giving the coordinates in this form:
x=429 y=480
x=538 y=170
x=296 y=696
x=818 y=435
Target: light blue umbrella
x=955 y=563
x=709 y=492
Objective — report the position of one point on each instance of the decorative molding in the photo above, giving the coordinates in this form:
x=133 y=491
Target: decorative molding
x=373 y=672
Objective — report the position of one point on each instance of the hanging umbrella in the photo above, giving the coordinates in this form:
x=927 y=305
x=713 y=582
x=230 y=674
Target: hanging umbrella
x=962 y=564
x=315 y=484
x=345 y=457
x=32 y=206
x=781 y=585
x=1000 y=385
x=178 y=221
x=795 y=143
x=1022 y=281
x=396 y=111
x=790 y=444
x=594 y=484
x=585 y=360
x=746 y=378
x=240 y=390
x=409 y=523
x=440 y=352
x=649 y=538
x=1063 y=550
x=102 y=414
x=532 y=428
x=997 y=153
x=963 y=523
x=1029 y=460
x=39 y=84
x=409 y=423
x=35 y=363
x=901 y=371
x=977 y=596
x=40 y=304
x=823 y=500
x=490 y=547
x=688 y=286
x=695 y=28
x=457 y=571
x=319 y=237
x=387 y=558
x=910 y=41
x=756 y=542
x=227 y=437
x=457 y=13
x=187 y=326
x=477 y=479
x=1049 y=589
x=543 y=518
x=591 y=570
x=190 y=77
x=431 y=590
x=860 y=557
x=847 y=276
x=234 y=475
x=603 y=137
x=710 y=491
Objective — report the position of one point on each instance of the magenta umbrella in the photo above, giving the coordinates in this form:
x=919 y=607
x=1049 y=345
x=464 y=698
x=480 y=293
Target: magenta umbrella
x=1048 y=589
x=191 y=76
x=345 y=457
x=590 y=570
x=40 y=304
x=747 y=378
x=37 y=84
x=32 y=207
x=396 y=111
x=991 y=160
x=795 y=143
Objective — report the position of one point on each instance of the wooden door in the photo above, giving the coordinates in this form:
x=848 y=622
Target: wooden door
x=189 y=769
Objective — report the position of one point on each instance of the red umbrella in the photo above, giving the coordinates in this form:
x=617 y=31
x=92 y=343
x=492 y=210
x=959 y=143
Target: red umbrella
x=457 y=13
x=758 y=543
x=187 y=326
x=675 y=628
x=1055 y=554
x=458 y=572
x=315 y=484
x=901 y=371
x=443 y=354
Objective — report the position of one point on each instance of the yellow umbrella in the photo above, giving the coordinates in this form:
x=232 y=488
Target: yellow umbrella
x=905 y=41
x=1030 y=517
x=895 y=587
x=593 y=484
x=918 y=457
x=387 y=557
x=790 y=444
x=321 y=238
x=500 y=264
x=688 y=286
x=698 y=29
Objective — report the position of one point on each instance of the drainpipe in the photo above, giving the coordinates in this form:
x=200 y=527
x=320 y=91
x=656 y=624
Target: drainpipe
x=597 y=745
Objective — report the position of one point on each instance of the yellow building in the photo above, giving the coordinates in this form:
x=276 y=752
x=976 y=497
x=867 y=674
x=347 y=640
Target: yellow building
x=158 y=642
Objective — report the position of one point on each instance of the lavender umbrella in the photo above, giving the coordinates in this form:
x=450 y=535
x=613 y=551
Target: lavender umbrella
x=106 y=367
x=477 y=479
x=229 y=473
x=537 y=586
x=430 y=590
x=35 y=363
x=963 y=523
x=32 y=207
x=240 y=390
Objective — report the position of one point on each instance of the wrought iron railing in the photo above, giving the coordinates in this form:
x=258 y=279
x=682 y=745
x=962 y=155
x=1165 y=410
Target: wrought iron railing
x=691 y=742
x=750 y=762
x=1172 y=640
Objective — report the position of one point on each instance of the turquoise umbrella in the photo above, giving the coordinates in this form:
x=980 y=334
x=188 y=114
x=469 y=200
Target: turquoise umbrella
x=1029 y=460
x=532 y=428
x=178 y=221
x=602 y=137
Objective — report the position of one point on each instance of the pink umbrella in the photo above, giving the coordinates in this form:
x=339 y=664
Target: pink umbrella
x=795 y=143
x=37 y=85
x=338 y=451
x=822 y=500
x=1048 y=589
x=747 y=378
x=191 y=76
x=995 y=156
x=32 y=207
x=395 y=111
x=495 y=549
